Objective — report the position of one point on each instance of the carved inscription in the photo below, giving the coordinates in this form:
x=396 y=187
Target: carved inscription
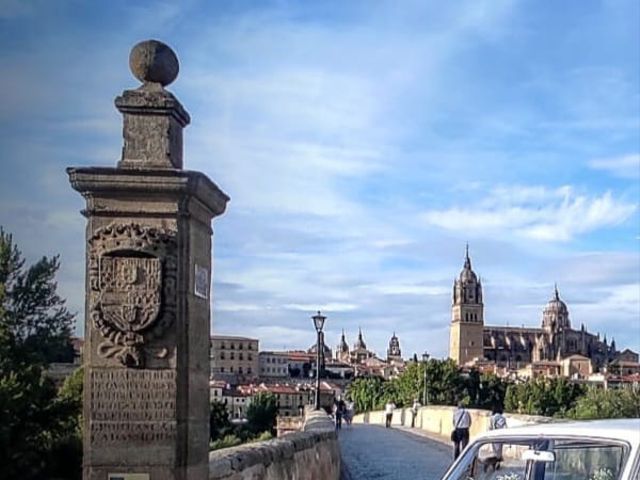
x=133 y=405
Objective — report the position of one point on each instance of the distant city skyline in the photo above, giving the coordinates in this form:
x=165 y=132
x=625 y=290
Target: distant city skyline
x=363 y=144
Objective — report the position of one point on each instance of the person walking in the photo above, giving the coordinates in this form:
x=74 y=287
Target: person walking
x=388 y=411
x=338 y=410
x=496 y=422
x=348 y=414
x=460 y=433
x=414 y=412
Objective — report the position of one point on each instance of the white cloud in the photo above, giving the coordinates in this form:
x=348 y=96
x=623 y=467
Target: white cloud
x=226 y=306
x=408 y=289
x=538 y=213
x=325 y=307
x=624 y=166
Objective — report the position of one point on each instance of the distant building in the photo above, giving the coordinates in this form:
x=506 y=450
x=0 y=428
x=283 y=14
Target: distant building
x=325 y=353
x=234 y=357
x=360 y=353
x=290 y=397
x=274 y=364
x=301 y=364
x=364 y=362
x=553 y=349
x=59 y=371
x=394 y=354
x=342 y=350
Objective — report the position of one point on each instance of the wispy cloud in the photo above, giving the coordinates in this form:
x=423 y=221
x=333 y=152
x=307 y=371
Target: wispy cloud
x=624 y=166
x=326 y=307
x=535 y=212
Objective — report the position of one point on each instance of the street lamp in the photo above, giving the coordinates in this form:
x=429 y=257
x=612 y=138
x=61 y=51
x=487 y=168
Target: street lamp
x=425 y=359
x=318 y=322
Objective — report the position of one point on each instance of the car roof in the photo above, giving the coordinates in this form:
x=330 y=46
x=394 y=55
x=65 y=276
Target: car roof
x=623 y=429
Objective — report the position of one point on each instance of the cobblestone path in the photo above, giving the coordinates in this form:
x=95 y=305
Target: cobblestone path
x=371 y=452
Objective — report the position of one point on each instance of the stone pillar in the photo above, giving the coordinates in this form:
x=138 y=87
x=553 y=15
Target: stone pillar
x=148 y=277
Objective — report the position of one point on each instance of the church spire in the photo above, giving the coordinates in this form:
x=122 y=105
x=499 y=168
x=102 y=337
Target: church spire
x=360 y=342
x=467 y=260
x=555 y=291
x=343 y=347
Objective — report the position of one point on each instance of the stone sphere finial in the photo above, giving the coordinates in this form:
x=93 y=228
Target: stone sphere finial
x=152 y=61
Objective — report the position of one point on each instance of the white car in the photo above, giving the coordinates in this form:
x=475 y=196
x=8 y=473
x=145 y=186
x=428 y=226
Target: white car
x=590 y=450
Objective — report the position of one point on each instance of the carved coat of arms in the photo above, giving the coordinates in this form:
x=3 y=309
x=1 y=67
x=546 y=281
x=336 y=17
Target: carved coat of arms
x=132 y=273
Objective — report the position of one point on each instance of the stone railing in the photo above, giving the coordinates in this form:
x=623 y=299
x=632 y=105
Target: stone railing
x=439 y=419
x=312 y=454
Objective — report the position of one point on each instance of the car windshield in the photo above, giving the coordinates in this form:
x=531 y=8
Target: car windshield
x=543 y=459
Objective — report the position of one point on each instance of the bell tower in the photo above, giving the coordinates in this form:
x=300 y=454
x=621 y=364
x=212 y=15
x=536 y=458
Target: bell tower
x=467 y=316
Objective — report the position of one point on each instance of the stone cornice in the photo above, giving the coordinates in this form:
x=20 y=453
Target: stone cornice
x=146 y=183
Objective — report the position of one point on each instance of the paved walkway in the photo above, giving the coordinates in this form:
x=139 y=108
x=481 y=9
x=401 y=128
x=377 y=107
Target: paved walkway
x=371 y=452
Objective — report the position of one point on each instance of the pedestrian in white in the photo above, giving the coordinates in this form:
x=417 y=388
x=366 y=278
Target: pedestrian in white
x=414 y=412
x=460 y=433
x=496 y=422
x=388 y=411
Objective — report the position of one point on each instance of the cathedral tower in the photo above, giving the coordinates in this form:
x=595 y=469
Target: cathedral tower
x=467 y=316
x=393 y=352
x=342 y=352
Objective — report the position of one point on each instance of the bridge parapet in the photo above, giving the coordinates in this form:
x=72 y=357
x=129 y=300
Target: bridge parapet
x=438 y=419
x=312 y=454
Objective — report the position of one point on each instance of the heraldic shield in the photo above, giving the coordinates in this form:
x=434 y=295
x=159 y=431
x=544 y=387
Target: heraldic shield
x=129 y=289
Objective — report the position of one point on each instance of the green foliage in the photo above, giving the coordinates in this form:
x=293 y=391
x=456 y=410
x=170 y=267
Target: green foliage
x=446 y=384
x=35 y=326
x=225 y=442
x=261 y=413
x=37 y=426
x=543 y=396
x=263 y=437
x=612 y=403
x=366 y=393
x=219 y=423
x=492 y=391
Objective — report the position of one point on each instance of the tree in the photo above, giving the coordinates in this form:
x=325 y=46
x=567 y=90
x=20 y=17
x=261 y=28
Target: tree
x=612 y=403
x=366 y=393
x=445 y=383
x=219 y=423
x=492 y=391
x=542 y=396
x=35 y=329
x=261 y=413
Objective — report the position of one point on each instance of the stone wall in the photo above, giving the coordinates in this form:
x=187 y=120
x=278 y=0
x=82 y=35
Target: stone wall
x=439 y=419
x=312 y=454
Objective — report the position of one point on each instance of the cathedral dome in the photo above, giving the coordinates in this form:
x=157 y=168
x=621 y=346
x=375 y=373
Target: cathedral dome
x=325 y=349
x=555 y=305
x=556 y=314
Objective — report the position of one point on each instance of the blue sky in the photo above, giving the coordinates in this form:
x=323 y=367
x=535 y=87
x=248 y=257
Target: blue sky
x=362 y=144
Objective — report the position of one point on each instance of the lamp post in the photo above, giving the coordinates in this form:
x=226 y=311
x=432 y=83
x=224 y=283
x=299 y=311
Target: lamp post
x=318 y=322
x=425 y=397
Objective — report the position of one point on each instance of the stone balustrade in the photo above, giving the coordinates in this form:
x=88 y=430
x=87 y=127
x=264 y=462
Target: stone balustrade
x=439 y=419
x=312 y=454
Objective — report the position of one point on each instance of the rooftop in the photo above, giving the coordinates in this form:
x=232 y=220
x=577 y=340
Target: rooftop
x=232 y=337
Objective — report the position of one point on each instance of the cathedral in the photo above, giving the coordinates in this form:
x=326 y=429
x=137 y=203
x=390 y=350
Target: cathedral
x=472 y=341
x=360 y=354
